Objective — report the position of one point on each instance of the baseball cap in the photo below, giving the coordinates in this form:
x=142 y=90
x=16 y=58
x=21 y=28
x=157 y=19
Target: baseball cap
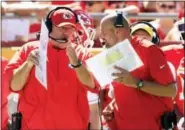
x=63 y=17
x=142 y=26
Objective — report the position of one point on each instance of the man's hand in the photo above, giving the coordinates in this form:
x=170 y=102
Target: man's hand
x=108 y=112
x=124 y=77
x=21 y=74
x=33 y=58
x=70 y=51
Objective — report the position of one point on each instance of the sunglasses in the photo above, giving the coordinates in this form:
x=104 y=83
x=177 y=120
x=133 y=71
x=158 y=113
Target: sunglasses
x=167 y=6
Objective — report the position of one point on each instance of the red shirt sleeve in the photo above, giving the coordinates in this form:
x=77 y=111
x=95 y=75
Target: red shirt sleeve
x=159 y=68
x=93 y=90
x=5 y=92
x=18 y=59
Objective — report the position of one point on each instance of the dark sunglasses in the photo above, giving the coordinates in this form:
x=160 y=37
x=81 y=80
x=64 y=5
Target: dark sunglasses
x=167 y=6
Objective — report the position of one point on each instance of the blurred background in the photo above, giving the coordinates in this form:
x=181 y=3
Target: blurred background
x=21 y=20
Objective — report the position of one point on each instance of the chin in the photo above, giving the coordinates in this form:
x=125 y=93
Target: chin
x=107 y=46
x=60 y=45
x=57 y=47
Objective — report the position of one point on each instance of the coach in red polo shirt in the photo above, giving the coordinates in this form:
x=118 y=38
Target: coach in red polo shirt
x=143 y=95
x=63 y=105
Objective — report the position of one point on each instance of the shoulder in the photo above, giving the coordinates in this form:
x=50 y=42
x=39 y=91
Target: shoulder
x=33 y=44
x=27 y=47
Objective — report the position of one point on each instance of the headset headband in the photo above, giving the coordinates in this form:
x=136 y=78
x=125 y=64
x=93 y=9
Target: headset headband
x=48 y=20
x=58 y=8
x=155 y=38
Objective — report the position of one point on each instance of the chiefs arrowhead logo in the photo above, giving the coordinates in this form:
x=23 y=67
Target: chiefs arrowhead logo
x=67 y=16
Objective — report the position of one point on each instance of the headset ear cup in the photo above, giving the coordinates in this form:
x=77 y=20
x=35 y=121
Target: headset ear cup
x=156 y=39
x=153 y=40
x=119 y=20
x=49 y=25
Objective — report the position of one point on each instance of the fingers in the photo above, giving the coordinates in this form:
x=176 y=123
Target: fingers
x=34 y=60
x=120 y=80
x=93 y=34
x=77 y=39
x=119 y=77
x=34 y=57
x=70 y=51
x=120 y=69
x=108 y=115
x=118 y=74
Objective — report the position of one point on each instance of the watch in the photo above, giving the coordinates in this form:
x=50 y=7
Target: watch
x=79 y=63
x=139 y=84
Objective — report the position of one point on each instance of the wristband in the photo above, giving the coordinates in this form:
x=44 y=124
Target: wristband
x=139 y=84
x=76 y=66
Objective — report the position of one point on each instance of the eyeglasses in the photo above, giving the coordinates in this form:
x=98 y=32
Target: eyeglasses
x=167 y=6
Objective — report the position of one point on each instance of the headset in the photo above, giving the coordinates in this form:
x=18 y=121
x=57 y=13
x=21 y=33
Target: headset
x=119 y=20
x=48 y=20
x=155 y=37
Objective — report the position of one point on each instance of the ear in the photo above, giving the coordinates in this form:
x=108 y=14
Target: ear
x=117 y=30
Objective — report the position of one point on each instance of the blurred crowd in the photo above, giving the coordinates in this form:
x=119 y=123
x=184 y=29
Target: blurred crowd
x=22 y=19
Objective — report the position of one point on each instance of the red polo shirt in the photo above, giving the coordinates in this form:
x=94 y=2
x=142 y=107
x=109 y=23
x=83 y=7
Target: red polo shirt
x=136 y=109
x=63 y=105
x=5 y=92
x=175 y=55
x=180 y=81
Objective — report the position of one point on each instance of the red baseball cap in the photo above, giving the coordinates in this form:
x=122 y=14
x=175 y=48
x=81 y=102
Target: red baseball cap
x=63 y=17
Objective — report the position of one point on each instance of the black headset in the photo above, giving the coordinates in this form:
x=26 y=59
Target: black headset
x=119 y=20
x=155 y=37
x=48 y=20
